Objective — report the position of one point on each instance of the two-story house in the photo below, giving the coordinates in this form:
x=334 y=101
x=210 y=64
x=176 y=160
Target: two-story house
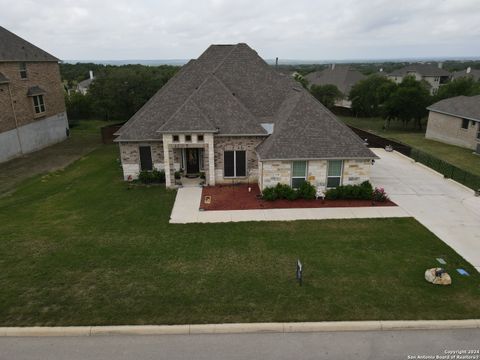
x=434 y=75
x=32 y=104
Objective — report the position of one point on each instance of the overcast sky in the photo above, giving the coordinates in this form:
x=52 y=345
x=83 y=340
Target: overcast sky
x=289 y=29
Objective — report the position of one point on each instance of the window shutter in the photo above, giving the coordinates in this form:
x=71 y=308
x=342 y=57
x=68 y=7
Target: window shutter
x=145 y=158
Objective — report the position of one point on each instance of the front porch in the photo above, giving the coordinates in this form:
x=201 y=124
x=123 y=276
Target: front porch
x=188 y=159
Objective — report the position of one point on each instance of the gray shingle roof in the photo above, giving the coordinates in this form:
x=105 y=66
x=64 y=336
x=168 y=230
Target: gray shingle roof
x=422 y=69
x=473 y=73
x=342 y=76
x=230 y=90
x=3 y=79
x=14 y=48
x=467 y=107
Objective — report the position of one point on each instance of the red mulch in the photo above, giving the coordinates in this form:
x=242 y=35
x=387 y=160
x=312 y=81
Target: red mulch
x=237 y=197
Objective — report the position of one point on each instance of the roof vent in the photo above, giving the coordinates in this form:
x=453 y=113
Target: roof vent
x=233 y=93
x=469 y=70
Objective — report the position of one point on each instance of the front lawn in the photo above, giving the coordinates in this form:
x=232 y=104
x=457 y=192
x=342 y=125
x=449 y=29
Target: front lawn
x=77 y=247
x=455 y=155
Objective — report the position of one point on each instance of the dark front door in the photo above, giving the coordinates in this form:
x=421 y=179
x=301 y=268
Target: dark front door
x=192 y=161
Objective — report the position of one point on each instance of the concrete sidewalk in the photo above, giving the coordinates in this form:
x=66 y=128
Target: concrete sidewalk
x=448 y=209
x=186 y=210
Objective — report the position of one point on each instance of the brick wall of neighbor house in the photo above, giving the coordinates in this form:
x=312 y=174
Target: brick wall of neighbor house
x=130 y=157
x=43 y=74
x=278 y=171
x=356 y=171
x=7 y=120
x=449 y=129
x=225 y=143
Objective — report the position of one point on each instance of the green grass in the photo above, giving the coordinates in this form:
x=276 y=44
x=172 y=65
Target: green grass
x=77 y=247
x=456 y=155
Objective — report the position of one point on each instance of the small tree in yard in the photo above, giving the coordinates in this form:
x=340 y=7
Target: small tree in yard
x=326 y=94
x=408 y=102
x=466 y=86
x=370 y=94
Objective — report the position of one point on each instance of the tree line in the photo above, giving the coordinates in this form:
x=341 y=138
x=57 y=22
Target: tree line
x=117 y=91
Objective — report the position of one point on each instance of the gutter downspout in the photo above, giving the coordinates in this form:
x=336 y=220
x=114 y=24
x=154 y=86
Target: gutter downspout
x=15 y=118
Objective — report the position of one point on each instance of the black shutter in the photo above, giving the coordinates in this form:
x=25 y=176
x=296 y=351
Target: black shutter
x=228 y=164
x=145 y=158
x=241 y=163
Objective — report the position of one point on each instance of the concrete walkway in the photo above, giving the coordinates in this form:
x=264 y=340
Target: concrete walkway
x=446 y=208
x=187 y=202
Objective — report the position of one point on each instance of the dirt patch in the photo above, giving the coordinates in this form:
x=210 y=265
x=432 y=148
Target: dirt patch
x=237 y=197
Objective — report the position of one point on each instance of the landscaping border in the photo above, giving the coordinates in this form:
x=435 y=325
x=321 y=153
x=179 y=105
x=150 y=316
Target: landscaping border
x=239 y=328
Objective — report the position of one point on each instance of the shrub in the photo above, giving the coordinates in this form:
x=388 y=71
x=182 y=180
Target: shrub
x=284 y=191
x=364 y=191
x=269 y=194
x=307 y=191
x=151 y=177
x=178 y=175
x=379 y=195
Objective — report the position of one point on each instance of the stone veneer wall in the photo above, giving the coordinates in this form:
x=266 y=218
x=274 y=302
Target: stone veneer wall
x=130 y=157
x=226 y=143
x=279 y=171
x=448 y=129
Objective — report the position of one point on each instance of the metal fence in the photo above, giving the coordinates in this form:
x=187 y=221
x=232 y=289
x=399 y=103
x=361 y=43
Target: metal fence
x=446 y=169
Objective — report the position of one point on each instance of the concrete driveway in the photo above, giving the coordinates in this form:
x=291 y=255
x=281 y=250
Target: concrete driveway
x=448 y=209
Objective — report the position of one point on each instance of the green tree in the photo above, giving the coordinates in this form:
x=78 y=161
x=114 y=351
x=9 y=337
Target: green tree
x=78 y=106
x=462 y=86
x=302 y=80
x=326 y=94
x=370 y=94
x=408 y=102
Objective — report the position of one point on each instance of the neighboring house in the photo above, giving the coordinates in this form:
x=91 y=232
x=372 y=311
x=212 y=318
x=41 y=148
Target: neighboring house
x=342 y=76
x=434 y=75
x=456 y=121
x=84 y=85
x=234 y=118
x=32 y=106
x=468 y=72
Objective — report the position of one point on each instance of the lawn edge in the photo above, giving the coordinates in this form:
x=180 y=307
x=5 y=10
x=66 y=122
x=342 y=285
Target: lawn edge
x=238 y=328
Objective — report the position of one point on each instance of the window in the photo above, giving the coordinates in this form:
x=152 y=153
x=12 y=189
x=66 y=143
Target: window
x=145 y=158
x=175 y=138
x=188 y=138
x=38 y=104
x=234 y=163
x=334 y=174
x=299 y=173
x=465 y=123
x=23 y=70
x=199 y=138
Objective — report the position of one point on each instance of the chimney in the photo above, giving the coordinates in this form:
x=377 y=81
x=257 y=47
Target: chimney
x=91 y=74
x=276 y=62
x=469 y=70
x=381 y=69
x=440 y=65
x=333 y=66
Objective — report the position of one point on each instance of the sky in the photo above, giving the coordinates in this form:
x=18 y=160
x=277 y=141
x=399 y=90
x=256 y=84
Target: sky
x=288 y=29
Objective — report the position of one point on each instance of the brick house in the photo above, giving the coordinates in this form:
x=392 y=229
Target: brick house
x=32 y=105
x=232 y=117
x=455 y=121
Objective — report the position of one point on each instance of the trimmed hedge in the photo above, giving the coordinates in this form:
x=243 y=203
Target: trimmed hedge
x=283 y=191
x=152 y=177
x=364 y=191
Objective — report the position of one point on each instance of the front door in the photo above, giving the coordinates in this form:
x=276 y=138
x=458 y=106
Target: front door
x=193 y=166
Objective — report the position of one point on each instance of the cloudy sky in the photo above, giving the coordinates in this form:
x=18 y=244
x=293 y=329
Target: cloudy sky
x=289 y=29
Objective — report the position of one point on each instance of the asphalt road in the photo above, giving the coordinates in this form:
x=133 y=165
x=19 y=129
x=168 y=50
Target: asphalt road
x=324 y=345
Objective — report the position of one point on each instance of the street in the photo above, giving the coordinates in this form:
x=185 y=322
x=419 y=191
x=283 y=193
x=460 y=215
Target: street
x=322 y=345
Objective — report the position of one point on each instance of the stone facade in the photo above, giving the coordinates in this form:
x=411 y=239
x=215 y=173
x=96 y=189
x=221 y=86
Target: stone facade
x=130 y=157
x=277 y=171
x=226 y=143
x=448 y=129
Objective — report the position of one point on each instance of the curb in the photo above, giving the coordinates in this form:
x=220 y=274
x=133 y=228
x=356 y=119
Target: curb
x=240 y=328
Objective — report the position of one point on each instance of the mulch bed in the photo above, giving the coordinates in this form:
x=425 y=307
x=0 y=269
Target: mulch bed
x=237 y=197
